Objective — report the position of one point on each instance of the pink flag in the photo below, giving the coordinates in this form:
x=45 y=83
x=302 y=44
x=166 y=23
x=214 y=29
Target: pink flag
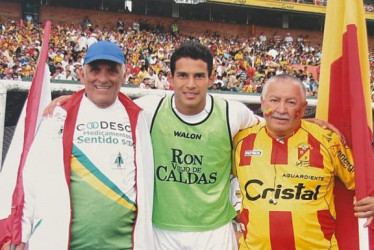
x=39 y=96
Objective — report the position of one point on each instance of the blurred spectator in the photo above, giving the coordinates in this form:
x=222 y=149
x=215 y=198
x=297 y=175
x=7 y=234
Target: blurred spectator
x=161 y=82
x=288 y=40
x=313 y=86
x=215 y=87
x=174 y=28
x=25 y=71
x=300 y=39
x=67 y=75
x=120 y=26
x=82 y=42
x=58 y=75
x=86 y=23
x=262 y=38
x=277 y=39
x=29 y=21
x=231 y=86
x=145 y=84
x=92 y=38
x=136 y=26
x=131 y=80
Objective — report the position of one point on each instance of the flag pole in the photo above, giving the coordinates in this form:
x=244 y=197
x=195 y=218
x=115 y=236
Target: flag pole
x=363 y=234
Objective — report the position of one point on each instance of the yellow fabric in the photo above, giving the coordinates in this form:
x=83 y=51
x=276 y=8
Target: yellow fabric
x=96 y=183
x=339 y=14
x=302 y=172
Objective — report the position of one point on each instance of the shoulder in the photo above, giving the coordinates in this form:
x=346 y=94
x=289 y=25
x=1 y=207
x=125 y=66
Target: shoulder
x=244 y=133
x=241 y=116
x=149 y=104
x=148 y=101
x=324 y=136
x=237 y=106
x=252 y=130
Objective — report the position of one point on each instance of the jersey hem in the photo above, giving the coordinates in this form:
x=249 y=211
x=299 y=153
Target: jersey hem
x=183 y=228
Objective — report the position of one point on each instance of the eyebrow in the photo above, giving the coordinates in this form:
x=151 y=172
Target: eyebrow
x=194 y=73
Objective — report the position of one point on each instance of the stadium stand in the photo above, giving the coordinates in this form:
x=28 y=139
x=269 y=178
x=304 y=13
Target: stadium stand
x=241 y=61
x=245 y=55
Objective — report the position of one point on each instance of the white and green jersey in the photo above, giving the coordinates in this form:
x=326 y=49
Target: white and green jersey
x=236 y=117
x=192 y=167
x=102 y=182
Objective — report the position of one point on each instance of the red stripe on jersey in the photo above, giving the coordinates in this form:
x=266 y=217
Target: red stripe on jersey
x=279 y=153
x=316 y=159
x=247 y=145
x=281 y=230
x=244 y=218
x=327 y=223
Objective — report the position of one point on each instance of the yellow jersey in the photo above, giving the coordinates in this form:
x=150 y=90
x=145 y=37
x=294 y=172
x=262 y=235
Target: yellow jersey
x=287 y=186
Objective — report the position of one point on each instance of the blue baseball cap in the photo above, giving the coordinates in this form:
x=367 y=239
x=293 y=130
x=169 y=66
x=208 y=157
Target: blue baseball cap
x=104 y=50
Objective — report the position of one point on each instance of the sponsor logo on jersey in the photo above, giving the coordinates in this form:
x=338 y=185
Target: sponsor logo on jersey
x=104 y=133
x=303 y=177
x=118 y=162
x=254 y=191
x=345 y=161
x=187 y=135
x=186 y=175
x=103 y=125
x=185 y=168
x=303 y=154
x=252 y=152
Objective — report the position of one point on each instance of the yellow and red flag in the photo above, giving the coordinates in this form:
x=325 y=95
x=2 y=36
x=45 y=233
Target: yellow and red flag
x=344 y=100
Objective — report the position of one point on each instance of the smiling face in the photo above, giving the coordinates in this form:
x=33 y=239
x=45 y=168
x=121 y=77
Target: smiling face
x=103 y=80
x=191 y=81
x=283 y=104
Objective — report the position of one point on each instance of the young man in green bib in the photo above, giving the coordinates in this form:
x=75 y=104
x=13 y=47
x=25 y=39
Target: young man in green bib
x=192 y=134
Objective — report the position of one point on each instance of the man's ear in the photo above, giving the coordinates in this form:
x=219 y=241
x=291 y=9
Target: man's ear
x=125 y=74
x=81 y=74
x=211 y=80
x=305 y=105
x=171 y=80
x=262 y=104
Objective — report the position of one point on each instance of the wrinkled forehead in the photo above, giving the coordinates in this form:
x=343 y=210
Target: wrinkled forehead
x=278 y=87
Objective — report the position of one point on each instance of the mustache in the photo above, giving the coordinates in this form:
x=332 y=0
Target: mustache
x=279 y=116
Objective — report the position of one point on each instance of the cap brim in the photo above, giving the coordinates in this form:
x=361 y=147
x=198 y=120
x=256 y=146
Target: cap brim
x=103 y=57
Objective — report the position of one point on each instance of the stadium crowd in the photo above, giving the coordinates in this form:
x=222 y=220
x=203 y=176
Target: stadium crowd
x=241 y=63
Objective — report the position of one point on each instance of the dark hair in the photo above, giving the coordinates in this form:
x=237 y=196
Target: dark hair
x=192 y=50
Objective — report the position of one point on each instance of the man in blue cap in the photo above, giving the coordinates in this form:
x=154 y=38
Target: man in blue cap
x=88 y=179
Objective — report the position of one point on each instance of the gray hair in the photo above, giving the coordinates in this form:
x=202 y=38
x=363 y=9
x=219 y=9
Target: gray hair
x=283 y=78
